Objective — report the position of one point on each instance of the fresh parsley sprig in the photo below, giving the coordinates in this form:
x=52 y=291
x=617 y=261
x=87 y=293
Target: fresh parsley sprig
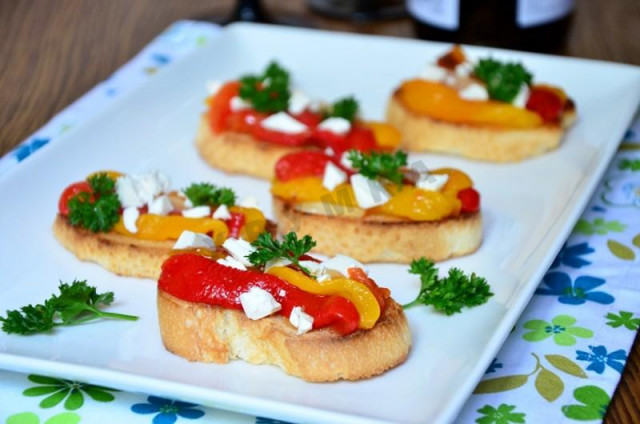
x=503 y=80
x=98 y=210
x=448 y=295
x=346 y=108
x=75 y=304
x=207 y=194
x=292 y=248
x=268 y=92
x=375 y=164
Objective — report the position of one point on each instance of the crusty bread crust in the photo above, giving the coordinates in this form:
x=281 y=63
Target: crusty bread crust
x=383 y=239
x=116 y=252
x=238 y=153
x=420 y=133
x=200 y=332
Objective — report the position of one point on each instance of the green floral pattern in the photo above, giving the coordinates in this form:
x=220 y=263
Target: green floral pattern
x=623 y=318
x=561 y=327
x=593 y=404
x=58 y=390
x=503 y=414
x=32 y=418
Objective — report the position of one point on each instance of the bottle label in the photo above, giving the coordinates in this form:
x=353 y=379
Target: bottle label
x=539 y=12
x=438 y=13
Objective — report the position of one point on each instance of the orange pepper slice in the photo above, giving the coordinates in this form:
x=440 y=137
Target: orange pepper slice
x=386 y=135
x=157 y=227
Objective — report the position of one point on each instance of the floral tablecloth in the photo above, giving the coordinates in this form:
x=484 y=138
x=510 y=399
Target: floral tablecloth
x=561 y=363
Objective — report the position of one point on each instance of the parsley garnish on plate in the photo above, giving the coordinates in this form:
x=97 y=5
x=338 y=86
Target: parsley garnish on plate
x=503 y=80
x=450 y=294
x=207 y=194
x=77 y=303
x=98 y=210
x=375 y=164
x=346 y=108
x=292 y=248
x=268 y=92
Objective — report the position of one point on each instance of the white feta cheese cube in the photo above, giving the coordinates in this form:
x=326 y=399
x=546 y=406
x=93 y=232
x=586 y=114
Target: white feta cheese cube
x=130 y=216
x=230 y=262
x=316 y=269
x=335 y=125
x=197 y=212
x=282 y=293
x=127 y=193
x=239 y=249
x=432 y=182
x=301 y=320
x=433 y=72
x=341 y=264
x=474 y=91
x=191 y=240
x=333 y=176
x=369 y=193
x=213 y=86
x=151 y=185
x=237 y=104
x=283 y=122
x=298 y=102
x=258 y=303
x=161 y=205
x=222 y=212
x=522 y=97
x=248 y=202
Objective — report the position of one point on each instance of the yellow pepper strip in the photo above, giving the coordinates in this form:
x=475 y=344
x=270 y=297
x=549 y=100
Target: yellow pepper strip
x=157 y=227
x=457 y=181
x=386 y=135
x=310 y=189
x=354 y=291
x=418 y=204
x=254 y=222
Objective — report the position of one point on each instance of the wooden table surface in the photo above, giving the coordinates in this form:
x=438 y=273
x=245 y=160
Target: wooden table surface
x=54 y=51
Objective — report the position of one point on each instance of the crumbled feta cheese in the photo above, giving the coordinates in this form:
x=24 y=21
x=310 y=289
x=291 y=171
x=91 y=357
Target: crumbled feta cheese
x=298 y=102
x=341 y=264
x=345 y=161
x=316 y=269
x=129 y=218
x=333 y=176
x=232 y=263
x=237 y=104
x=282 y=293
x=317 y=106
x=137 y=190
x=248 y=202
x=464 y=69
x=239 y=249
x=474 y=91
x=329 y=151
x=258 y=303
x=161 y=205
x=191 y=240
x=213 y=86
x=521 y=98
x=432 y=182
x=335 y=125
x=127 y=193
x=222 y=212
x=301 y=320
x=433 y=72
x=369 y=193
x=282 y=122
x=276 y=262
x=197 y=212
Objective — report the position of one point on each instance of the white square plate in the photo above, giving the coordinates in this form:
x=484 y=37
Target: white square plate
x=529 y=209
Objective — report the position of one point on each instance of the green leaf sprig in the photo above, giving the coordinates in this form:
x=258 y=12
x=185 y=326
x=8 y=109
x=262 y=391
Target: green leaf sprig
x=96 y=211
x=268 y=92
x=291 y=248
x=75 y=304
x=448 y=295
x=207 y=194
x=375 y=164
x=503 y=80
x=346 y=108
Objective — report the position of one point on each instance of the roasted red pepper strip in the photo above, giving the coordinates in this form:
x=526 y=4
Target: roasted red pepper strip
x=301 y=164
x=195 y=278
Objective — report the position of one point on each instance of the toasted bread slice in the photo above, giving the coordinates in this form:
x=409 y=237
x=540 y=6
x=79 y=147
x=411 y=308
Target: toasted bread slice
x=200 y=332
x=380 y=238
x=422 y=133
x=239 y=153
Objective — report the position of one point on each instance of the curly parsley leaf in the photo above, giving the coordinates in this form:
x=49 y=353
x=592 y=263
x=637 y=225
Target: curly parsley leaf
x=268 y=92
x=375 y=164
x=503 y=80
x=346 y=108
x=98 y=210
x=292 y=248
x=448 y=295
x=75 y=304
x=207 y=194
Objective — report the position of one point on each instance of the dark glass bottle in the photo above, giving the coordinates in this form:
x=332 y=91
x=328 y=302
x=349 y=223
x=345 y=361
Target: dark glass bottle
x=533 y=25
